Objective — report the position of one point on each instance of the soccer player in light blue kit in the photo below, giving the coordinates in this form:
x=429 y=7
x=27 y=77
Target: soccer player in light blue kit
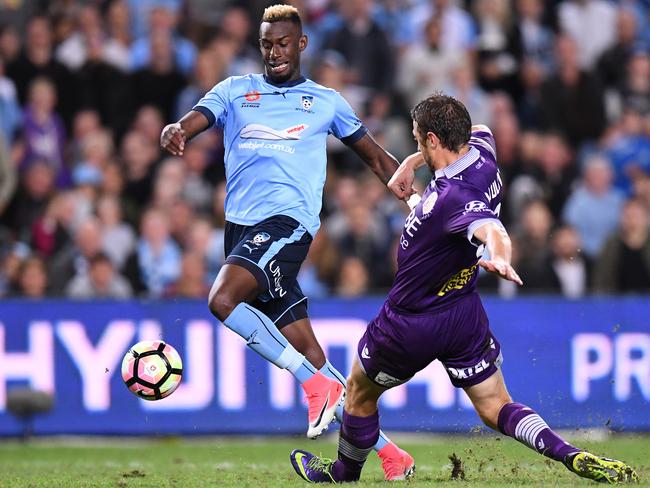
x=275 y=130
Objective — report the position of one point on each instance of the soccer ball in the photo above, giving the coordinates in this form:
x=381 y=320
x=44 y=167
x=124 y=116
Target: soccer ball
x=152 y=370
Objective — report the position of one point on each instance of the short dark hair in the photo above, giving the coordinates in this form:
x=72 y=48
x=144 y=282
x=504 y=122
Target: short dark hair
x=446 y=117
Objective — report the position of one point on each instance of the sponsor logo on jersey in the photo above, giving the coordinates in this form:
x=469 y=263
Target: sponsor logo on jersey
x=252 y=96
x=264 y=132
x=458 y=281
x=476 y=206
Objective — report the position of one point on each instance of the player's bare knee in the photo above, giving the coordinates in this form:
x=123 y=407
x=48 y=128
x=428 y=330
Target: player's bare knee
x=222 y=304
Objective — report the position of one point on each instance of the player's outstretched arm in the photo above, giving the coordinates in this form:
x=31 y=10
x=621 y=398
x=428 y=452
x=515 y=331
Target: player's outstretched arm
x=173 y=136
x=499 y=246
x=381 y=162
x=404 y=176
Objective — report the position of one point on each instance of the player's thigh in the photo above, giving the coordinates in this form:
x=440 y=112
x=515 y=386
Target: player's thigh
x=362 y=393
x=300 y=335
x=233 y=285
x=488 y=397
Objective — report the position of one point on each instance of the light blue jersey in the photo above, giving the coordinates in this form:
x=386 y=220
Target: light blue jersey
x=274 y=136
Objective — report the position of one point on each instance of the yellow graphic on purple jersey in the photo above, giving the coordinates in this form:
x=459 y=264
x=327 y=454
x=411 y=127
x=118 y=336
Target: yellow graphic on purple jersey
x=459 y=280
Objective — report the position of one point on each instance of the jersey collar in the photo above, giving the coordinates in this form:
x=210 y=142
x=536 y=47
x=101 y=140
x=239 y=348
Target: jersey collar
x=460 y=165
x=286 y=84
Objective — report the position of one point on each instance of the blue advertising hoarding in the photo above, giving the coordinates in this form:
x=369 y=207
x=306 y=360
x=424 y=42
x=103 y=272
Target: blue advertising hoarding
x=581 y=364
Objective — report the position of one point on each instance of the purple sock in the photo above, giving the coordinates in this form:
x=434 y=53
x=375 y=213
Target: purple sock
x=357 y=437
x=523 y=423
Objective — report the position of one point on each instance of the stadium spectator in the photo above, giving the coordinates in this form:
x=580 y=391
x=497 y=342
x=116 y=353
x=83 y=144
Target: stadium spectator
x=427 y=67
x=235 y=32
x=7 y=176
x=197 y=191
x=37 y=60
x=572 y=99
x=635 y=91
x=43 y=133
x=118 y=238
x=208 y=71
x=9 y=42
x=53 y=230
x=591 y=24
x=10 y=113
x=32 y=278
x=496 y=64
x=156 y=261
x=354 y=279
x=458 y=29
x=610 y=62
x=624 y=264
x=465 y=88
x=364 y=46
x=191 y=282
x=139 y=156
x=570 y=268
x=162 y=23
x=88 y=34
x=206 y=242
x=594 y=207
x=159 y=81
x=530 y=40
x=30 y=199
x=101 y=281
x=74 y=259
x=117 y=44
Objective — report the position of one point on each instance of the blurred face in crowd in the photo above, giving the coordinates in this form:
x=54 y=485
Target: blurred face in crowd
x=42 y=95
x=33 y=278
x=598 y=176
x=634 y=218
x=108 y=211
x=155 y=228
x=626 y=25
x=149 y=122
x=281 y=44
x=537 y=221
x=353 y=277
x=566 y=52
x=566 y=243
x=101 y=274
x=39 y=180
x=89 y=237
x=39 y=33
x=530 y=9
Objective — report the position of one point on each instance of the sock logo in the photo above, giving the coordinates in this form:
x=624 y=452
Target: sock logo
x=364 y=353
x=540 y=445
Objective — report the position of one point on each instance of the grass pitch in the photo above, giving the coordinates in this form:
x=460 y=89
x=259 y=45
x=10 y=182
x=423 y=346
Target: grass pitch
x=260 y=463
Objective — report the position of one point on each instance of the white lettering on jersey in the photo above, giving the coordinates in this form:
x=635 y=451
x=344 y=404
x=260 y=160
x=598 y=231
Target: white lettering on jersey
x=494 y=188
x=260 y=131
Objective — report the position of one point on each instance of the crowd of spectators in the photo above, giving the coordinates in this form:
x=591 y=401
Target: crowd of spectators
x=91 y=207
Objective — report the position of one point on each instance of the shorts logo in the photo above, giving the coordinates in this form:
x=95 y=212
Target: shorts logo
x=464 y=373
x=475 y=206
x=259 y=239
x=277 y=279
x=384 y=379
x=364 y=352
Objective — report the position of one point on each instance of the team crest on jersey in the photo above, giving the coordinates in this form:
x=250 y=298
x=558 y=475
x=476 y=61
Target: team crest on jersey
x=307 y=102
x=429 y=203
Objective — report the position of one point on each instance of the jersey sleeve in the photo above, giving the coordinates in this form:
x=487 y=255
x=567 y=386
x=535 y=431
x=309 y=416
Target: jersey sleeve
x=467 y=210
x=215 y=104
x=346 y=125
x=482 y=138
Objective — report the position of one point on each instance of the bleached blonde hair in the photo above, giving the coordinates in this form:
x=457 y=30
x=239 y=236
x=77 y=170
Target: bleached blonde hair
x=281 y=12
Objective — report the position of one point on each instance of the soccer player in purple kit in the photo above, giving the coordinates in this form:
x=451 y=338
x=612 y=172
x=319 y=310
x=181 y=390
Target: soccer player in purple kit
x=433 y=310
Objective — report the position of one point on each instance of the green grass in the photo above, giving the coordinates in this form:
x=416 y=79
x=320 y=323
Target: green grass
x=261 y=463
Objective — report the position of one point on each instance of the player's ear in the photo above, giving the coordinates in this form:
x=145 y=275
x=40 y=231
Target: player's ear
x=302 y=42
x=433 y=139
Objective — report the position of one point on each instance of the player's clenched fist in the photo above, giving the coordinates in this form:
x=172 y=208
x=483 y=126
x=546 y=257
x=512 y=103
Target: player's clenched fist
x=173 y=138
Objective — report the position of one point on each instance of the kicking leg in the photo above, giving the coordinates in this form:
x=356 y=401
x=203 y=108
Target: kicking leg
x=359 y=433
x=396 y=463
x=497 y=410
x=233 y=287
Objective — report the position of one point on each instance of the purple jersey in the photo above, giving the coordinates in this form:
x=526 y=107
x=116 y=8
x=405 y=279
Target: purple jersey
x=438 y=257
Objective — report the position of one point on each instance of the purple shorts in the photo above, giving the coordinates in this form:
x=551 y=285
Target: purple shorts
x=397 y=345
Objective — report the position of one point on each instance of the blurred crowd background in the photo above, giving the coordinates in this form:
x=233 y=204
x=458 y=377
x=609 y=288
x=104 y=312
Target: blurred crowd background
x=91 y=207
